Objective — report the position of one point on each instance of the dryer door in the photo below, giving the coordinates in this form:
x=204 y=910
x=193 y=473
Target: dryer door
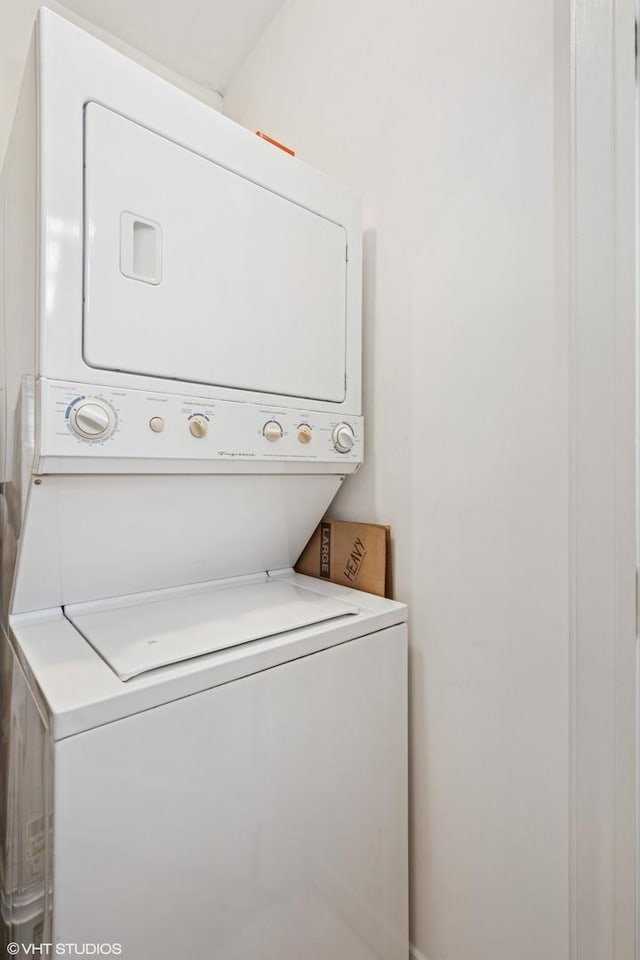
x=193 y=272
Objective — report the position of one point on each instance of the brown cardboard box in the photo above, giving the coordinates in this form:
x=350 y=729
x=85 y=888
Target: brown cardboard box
x=355 y=555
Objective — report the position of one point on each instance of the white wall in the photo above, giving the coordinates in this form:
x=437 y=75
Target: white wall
x=442 y=115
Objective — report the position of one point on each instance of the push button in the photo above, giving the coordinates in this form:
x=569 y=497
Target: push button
x=156 y=424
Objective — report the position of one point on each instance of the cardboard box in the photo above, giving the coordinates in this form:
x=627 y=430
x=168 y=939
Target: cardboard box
x=354 y=555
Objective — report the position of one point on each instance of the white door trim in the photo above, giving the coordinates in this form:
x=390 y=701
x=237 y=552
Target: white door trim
x=602 y=481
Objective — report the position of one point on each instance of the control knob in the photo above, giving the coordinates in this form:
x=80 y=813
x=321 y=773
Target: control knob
x=305 y=433
x=198 y=427
x=91 y=420
x=272 y=431
x=343 y=438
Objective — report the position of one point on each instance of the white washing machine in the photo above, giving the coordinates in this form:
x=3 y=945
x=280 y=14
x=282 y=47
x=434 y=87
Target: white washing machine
x=203 y=753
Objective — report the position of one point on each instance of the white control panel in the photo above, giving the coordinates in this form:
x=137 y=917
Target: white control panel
x=79 y=420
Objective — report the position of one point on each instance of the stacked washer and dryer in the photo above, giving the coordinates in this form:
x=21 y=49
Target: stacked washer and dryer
x=203 y=753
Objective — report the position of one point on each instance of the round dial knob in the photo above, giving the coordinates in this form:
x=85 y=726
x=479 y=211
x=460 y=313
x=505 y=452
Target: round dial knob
x=198 y=427
x=272 y=431
x=343 y=438
x=91 y=420
x=305 y=433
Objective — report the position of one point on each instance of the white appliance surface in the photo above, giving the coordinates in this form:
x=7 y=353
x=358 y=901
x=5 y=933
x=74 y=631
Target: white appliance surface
x=136 y=635
x=225 y=771
x=264 y=818
x=173 y=297
x=196 y=273
x=80 y=691
x=97 y=537
x=148 y=431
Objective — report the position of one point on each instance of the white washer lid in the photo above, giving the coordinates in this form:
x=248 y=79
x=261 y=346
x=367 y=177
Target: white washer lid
x=133 y=638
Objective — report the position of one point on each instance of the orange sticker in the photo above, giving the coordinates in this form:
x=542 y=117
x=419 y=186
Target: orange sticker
x=276 y=143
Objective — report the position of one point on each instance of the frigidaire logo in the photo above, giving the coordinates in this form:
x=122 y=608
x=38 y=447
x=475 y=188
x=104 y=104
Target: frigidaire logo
x=325 y=550
x=234 y=453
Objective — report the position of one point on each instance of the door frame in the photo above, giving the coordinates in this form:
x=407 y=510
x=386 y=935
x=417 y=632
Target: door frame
x=602 y=485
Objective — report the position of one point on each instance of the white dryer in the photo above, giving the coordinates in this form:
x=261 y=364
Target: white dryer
x=203 y=753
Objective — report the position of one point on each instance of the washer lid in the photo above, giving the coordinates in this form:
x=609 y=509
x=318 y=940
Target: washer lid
x=135 y=637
